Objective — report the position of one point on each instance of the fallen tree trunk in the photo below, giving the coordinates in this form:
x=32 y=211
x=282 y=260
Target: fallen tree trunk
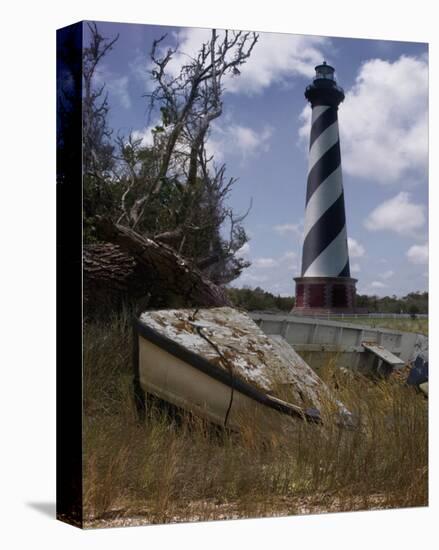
x=112 y=279
x=166 y=269
x=107 y=265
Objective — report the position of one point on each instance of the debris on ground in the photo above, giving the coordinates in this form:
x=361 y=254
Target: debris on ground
x=418 y=374
x=420 y=348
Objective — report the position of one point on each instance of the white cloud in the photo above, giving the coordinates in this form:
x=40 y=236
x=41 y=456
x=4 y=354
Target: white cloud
x=374 y=288
x=116 y=86
x=119 y=88
x=264 y=262
x=305 y=128
x=418 y=254
x=384 y=120
x=226 y=139
x=356 y=250
x=235 y=139
x=275 y=274
x=145 y=135
x=249 y=141
x=244 y=250
x=274 y=59
x=355 y=268
x=377 y=284
x=289 y=257
x=288 y=228
x=398 y=215
x=387 y=274
x=140 y=67
x=252 y=278
x=289 y=263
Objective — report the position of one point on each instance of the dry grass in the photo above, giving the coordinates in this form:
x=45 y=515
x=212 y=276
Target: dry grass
x=164 y=470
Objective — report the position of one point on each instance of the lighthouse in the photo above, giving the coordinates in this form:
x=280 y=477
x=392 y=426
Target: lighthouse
x=325 y=284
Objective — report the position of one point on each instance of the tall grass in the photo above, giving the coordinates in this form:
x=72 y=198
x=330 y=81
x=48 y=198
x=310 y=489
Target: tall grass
x=169 y=469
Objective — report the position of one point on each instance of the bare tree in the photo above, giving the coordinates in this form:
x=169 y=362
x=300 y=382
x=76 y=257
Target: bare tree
x=166 y=203
x=98 y=149
x=188 y=103
x=98 y=145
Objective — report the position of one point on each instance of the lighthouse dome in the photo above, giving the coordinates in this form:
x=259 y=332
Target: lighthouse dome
x=324 y=89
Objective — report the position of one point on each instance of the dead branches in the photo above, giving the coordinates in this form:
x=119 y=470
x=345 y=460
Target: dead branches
x=168 y=270
x=188 y=101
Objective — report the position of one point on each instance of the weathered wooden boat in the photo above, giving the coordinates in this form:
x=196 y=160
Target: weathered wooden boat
x=219 y=364
x=358 y=347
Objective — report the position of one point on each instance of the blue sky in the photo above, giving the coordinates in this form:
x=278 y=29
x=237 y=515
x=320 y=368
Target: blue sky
x=262 y=137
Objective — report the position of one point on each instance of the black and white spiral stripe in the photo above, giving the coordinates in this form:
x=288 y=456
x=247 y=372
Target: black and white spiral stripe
x=325 y=250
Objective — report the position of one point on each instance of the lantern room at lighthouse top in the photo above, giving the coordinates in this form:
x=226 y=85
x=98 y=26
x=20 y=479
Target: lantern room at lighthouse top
x=324 y=71
x=324 y=89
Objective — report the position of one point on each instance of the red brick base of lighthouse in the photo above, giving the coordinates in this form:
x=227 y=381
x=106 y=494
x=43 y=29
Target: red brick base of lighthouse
x=321 y=295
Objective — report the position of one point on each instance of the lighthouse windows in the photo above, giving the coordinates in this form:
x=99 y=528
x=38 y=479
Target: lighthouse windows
x=316 y=295
x=300 y=295
x=325 y=71
x=339 y=296
x=327 y=76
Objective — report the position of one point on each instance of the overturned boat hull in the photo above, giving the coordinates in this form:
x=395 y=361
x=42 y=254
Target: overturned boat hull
x=203 y=390
x=219 y=364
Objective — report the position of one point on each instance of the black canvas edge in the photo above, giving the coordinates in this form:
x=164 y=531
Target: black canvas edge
x=69 y=483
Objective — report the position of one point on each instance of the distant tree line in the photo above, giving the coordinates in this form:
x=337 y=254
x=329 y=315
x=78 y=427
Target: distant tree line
x=253 y=299
x=413 y=303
